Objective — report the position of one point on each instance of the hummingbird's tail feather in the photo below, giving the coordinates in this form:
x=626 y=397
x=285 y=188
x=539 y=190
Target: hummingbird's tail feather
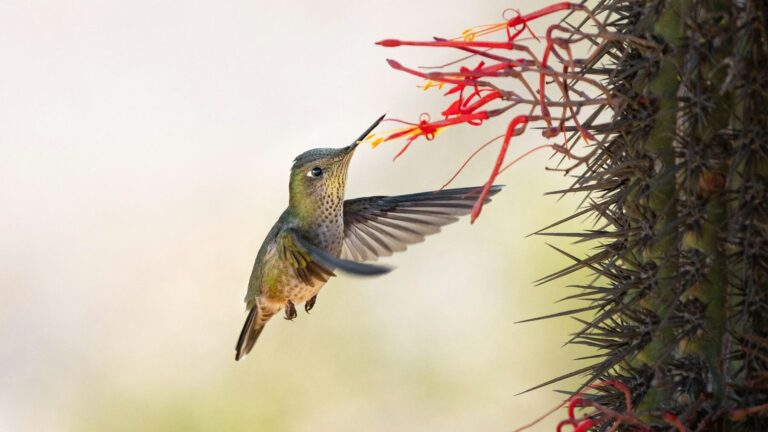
x=252 y=328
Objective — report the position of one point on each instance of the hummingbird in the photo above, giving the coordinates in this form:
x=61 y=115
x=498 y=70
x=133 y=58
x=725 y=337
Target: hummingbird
x=320 y=233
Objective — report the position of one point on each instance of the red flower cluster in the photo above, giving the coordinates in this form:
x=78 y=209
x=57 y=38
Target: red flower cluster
x=476 y=93
x=602 y=415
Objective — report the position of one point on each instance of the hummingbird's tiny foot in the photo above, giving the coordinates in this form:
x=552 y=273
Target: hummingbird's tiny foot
x=310 y=303
x=290 y=311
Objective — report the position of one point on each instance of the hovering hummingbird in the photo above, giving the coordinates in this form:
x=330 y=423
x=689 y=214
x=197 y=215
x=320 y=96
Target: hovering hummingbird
x=320 y=233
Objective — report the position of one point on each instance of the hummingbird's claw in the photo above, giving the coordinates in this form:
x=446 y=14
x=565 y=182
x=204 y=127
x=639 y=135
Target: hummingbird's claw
x=310 y=303
x=290 y=311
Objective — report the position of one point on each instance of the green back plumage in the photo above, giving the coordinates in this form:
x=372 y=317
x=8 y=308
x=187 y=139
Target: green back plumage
x=254 y=284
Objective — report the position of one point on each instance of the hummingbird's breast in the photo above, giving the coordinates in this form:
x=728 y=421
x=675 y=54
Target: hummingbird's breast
x=328 y=225
x=327 y=232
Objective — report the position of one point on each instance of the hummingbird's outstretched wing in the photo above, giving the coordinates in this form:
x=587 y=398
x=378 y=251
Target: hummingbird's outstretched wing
x=381 y=225
x=311 y=262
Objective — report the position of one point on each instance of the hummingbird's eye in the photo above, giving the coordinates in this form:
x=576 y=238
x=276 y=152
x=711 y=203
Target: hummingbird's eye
x=315 y=172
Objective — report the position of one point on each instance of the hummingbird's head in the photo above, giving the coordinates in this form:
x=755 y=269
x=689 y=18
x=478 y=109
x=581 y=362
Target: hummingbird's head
x=318 y=176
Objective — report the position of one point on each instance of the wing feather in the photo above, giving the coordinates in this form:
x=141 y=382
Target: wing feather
x=311 y=262
x=381 y=225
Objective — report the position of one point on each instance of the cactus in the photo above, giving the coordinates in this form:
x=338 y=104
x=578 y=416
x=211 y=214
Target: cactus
x=680 y=184
x=677 y=179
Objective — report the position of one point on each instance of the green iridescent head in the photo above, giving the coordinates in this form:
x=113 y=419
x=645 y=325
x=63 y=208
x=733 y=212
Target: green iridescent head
x=319 y=175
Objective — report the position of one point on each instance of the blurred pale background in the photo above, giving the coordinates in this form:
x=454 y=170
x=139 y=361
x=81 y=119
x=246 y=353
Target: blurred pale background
x=144 y=155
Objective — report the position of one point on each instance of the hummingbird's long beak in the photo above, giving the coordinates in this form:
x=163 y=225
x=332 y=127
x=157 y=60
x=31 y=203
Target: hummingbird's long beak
x=365 y=134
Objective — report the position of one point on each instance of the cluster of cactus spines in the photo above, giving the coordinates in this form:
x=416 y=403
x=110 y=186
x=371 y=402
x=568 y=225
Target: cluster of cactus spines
x=680 y=184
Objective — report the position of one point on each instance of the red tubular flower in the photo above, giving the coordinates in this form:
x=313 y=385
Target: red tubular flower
x=585 y=425
x=557 y=7
x=674 y=421
x=511 y=131
x=391 y=43
x=576 y=402
x=567 y=422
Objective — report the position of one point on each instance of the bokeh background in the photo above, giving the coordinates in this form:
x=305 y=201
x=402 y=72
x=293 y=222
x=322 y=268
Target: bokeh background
x=144 y=155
